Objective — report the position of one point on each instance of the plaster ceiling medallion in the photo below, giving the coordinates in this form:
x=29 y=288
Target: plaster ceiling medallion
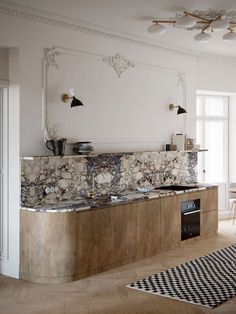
x=119 y=63
x=210 y=20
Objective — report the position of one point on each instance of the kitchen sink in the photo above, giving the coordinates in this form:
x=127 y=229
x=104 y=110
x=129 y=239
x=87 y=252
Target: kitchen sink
x=177 y=187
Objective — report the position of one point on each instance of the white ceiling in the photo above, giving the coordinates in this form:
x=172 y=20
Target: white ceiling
x=132 y=17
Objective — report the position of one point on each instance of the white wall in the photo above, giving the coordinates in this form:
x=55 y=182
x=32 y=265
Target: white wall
x=216 y=75
x=154 y=125
x=219 y=76
x=123 y=113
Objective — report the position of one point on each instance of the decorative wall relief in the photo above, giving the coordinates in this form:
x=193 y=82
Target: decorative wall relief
x=73 y=177
x=119 y=63
x=182 y=83
x=49 y=59
x=50 y=55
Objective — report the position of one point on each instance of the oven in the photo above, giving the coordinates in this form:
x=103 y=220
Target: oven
x=190 y=219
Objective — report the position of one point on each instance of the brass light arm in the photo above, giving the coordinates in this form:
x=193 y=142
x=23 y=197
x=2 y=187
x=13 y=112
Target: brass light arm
x=202 y=20
x=173 y=22
x=196 y=16
x=217 y=18
x=164 y=21
x=206 y=27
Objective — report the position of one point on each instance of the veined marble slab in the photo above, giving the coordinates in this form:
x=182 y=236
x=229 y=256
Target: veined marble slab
x=100 y=202
x=71 y=177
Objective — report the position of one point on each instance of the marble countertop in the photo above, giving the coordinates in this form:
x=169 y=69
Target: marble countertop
x=83 y=204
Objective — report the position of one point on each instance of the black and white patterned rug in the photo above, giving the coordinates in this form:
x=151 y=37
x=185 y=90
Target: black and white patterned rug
x=208 y=281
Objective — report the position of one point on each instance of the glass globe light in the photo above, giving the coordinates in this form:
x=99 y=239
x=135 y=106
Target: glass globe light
x=185 y=21
x=202 y=37
x=229 y=37
x=156 y=29
x=219 y=25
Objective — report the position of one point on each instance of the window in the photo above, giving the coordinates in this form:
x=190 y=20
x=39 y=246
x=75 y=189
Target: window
x=212 y=134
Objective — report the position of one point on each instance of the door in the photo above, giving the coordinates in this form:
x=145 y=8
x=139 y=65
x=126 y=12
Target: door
x=212 y=134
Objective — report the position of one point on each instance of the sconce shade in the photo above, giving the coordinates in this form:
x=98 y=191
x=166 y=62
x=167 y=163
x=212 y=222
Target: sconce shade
x=180 y=109
x=76 y=102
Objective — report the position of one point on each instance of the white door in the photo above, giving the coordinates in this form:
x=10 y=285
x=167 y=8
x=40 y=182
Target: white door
x=212 y=134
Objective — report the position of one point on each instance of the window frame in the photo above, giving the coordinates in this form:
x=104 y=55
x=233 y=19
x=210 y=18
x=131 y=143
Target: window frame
x=203 y=118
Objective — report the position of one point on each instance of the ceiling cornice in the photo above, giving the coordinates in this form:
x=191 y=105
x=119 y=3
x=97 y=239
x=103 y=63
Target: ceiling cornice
x=44 y=17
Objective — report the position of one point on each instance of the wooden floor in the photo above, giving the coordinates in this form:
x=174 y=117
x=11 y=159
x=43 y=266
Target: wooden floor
x=106 y=292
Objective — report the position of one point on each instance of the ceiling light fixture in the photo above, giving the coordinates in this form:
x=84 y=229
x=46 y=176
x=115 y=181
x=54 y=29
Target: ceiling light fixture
x=180 y=109
x=211 y=20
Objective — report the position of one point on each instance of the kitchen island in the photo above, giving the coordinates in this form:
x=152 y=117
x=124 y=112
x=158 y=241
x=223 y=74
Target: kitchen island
x=71 y=240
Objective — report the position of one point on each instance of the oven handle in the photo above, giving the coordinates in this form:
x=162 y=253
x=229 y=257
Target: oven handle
x=193 y=212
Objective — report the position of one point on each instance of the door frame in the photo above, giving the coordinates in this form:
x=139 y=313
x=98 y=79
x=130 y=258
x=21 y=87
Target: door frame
x=9 y=264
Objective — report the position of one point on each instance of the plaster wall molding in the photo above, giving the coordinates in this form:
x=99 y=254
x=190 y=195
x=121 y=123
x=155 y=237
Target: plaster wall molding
x=44 y=17
x=62 y=51
x=50 y=55
x=182 y=83
x=119 y=63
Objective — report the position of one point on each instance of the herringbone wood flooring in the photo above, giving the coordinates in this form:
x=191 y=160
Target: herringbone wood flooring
x=106 y=293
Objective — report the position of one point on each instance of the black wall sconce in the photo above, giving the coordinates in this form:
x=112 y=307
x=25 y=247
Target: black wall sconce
x=75 y=102
x=180 y=109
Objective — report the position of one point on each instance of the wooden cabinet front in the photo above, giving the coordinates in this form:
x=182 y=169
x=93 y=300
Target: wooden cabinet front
x=60 y=247
x=148 y=228
x=92 y=241
x=170 y=222
x=209 y=199
x=117 y=235
x=122 y=233
x=209 y=212
x=209 y=224
x=48 y=247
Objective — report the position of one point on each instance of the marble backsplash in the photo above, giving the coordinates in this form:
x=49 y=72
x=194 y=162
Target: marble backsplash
x=72 y=177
